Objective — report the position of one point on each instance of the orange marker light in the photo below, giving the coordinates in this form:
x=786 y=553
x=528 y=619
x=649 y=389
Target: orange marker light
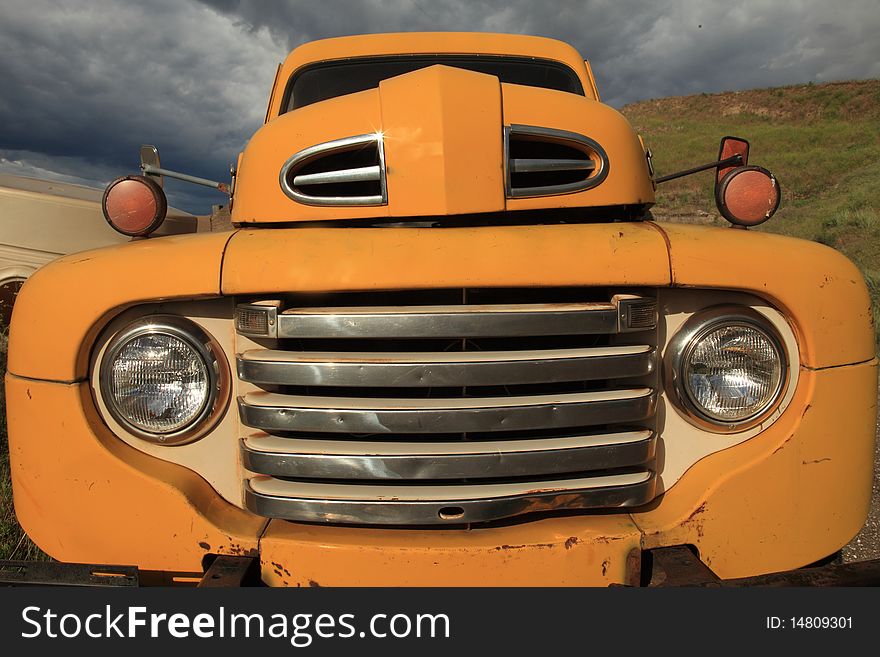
x=134 y=205
x=748 y=196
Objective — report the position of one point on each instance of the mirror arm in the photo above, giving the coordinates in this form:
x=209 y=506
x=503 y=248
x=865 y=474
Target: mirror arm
x=151 y=170
x=732 y=161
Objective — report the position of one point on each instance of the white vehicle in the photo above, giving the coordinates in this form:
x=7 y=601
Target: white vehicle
x=41 y=220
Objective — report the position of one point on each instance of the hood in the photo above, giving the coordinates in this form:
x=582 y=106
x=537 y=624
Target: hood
x=440 y=141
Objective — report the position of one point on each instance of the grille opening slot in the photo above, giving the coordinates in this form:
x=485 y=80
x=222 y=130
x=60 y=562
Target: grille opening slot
x=445 y=296
x=451 y=392
x=525 y=434
x=529 y=149
x=537 y=479
x=344 y=172
x=357 y=158
x=415 y=345
x=546 y=161
x=360 y=156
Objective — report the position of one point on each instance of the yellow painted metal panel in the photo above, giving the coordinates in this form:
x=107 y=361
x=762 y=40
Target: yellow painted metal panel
x=584 y=551
x=62 y=307
x=443 y=145
x=821 y=292
x=324 y=259
x=85 y=496
x=788 y=497
x=258 y=193
x=627 y=183
x=443 y=131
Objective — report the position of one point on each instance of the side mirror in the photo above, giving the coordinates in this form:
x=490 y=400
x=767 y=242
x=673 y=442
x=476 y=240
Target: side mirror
x=730 y=146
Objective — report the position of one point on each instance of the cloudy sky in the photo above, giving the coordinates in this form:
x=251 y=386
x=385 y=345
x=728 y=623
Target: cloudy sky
x=82 y=85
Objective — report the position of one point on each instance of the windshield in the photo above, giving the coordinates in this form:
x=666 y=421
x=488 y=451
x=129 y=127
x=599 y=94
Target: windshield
x=318 y=82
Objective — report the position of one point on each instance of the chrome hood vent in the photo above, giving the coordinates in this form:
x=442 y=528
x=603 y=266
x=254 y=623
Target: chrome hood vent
x=545 y=161
x=348 y=171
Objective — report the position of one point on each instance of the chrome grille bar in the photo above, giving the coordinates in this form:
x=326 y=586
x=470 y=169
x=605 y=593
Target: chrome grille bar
x=538 y=165
x=273 y=412
x=312 y=458
x=502 y=320
x=427 y=369
x=361 y=174
x=441 y=504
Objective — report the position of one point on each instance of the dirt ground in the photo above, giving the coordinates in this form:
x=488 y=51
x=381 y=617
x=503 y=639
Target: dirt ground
x=866 y=544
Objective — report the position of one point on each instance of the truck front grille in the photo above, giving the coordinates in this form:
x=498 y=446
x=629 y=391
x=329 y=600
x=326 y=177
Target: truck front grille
x=425 y=413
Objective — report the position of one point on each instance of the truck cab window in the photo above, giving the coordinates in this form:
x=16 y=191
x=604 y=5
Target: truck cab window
x=323 y=81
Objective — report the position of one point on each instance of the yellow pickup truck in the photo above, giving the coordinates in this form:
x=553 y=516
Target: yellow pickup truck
x=441 y=343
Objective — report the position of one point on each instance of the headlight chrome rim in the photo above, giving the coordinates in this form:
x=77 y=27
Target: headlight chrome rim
x=681 y=347
x=203 y=344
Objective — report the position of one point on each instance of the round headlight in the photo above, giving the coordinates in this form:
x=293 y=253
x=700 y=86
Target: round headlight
x=728 y=368
x=160 y=379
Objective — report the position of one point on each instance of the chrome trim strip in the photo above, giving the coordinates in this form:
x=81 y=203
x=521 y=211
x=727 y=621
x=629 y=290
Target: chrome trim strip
x=537 y=165
x=423 y=369
x=566 y=137
x=459 y=321
x=363 y=460
x=437 y=504
x=273 y=412
x=360 y=174
x=327 y=148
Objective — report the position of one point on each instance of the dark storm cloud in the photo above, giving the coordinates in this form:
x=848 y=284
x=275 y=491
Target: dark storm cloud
x=89 y=82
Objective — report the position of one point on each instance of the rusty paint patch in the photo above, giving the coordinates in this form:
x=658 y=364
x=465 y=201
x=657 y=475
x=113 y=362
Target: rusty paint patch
x=571 y=542
x=278 y=568
x=698 y=511
x=314 y=584
x=539 y=546
x=605 y=540
x=695 y=519
x=204 y=546
x=784 y=443
x=815 y=461
x=605 y=565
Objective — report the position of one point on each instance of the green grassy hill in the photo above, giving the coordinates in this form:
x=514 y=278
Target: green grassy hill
x=821 y=141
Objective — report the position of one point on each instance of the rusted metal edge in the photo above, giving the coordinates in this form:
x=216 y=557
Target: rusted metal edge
x=55 y=573
x=679 y=566
x=231 y=572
